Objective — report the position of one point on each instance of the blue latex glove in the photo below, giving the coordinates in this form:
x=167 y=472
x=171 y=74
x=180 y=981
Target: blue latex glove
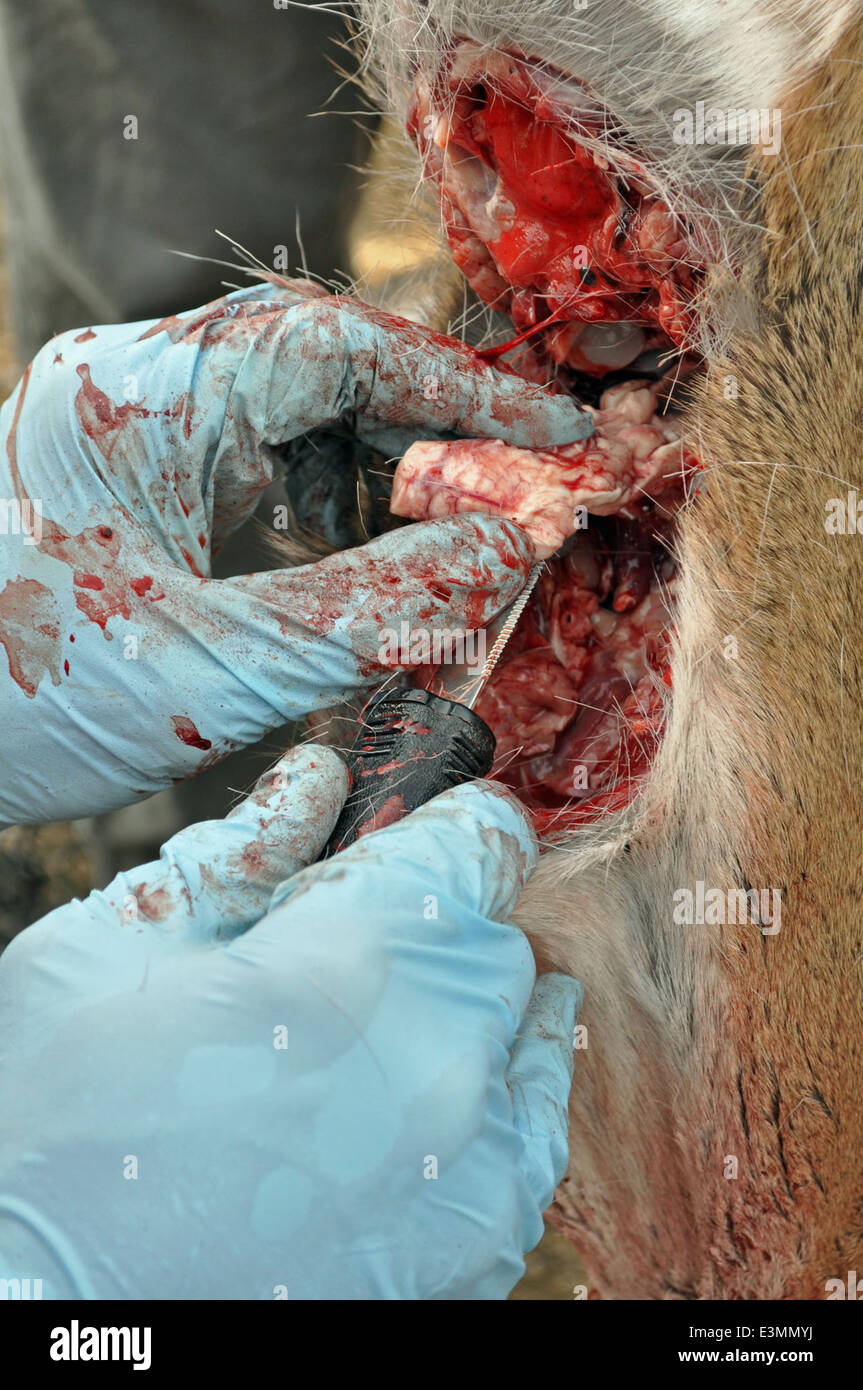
x=144 y=445
x=356 y=1093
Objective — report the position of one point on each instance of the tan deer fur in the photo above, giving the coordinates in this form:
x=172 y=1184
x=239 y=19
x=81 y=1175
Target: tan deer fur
x=713 y=1043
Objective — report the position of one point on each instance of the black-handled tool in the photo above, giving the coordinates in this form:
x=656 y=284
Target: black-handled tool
x=413 y=744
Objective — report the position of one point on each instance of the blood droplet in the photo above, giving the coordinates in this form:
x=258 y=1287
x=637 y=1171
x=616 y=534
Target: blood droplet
x=187 y=733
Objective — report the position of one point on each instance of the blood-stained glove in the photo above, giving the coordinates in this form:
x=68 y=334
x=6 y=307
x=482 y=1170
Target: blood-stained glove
x=353 y=1093
x=131 y=450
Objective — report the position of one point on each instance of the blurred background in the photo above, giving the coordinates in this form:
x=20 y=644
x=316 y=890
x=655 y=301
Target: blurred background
x=131 y=132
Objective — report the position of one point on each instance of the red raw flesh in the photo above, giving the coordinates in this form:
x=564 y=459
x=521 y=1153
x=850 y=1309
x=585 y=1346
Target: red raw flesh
x=576 y=702
x=540 y=226
x=547 y=232
x=614 y=663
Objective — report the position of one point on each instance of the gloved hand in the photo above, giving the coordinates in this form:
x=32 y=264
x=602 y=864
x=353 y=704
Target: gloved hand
x=356 y=1093
x=131 y=450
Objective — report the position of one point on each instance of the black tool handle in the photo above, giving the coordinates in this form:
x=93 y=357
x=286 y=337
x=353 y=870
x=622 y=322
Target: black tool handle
x=411 y=745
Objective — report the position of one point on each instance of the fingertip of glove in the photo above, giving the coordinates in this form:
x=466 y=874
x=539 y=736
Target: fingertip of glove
x=309 y=767
x=555 y=420
x=512 y=543
x=495 y=816
x=475 y=840
x=307 y=758
x=571 y=423
x=469 y=532
x=560 y=996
